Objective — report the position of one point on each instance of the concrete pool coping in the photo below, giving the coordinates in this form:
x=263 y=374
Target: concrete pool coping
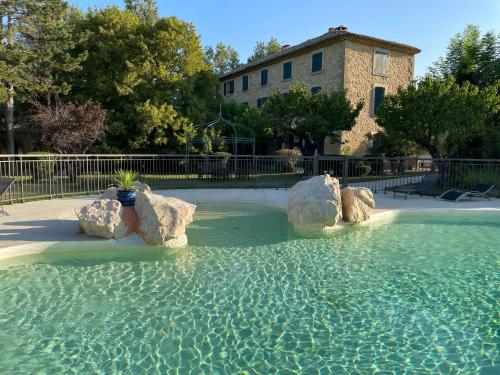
x=49 y=225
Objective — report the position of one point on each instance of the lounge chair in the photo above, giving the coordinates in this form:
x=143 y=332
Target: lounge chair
x=478 y=191
x=420 y=188
x=5 y=184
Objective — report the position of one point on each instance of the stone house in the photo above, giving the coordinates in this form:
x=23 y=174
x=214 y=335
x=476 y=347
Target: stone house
x=366 y=67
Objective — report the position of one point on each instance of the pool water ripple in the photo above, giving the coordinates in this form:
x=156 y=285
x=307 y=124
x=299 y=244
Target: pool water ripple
x=419 y=295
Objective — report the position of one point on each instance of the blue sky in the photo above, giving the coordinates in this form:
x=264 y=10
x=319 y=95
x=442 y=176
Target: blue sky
x=426 y=24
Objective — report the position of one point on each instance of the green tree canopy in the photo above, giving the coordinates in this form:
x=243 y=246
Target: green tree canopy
x=311 y=117
x=262 y=49
x=145 y=9
x=471 y=57
x=222 y=59
x=139 y=73
x=437 y=114
x=34 y=43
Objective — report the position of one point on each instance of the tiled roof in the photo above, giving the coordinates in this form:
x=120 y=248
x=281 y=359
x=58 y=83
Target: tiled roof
x=330 y=36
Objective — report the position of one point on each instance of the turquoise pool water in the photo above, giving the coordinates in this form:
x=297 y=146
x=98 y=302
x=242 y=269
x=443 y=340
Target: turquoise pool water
x=420 y=295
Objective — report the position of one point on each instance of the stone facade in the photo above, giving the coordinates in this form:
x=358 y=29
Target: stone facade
x=348 y=63
x=329 y=79
x=360 y=82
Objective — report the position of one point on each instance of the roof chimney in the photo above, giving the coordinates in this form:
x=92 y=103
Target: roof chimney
x=338 y=29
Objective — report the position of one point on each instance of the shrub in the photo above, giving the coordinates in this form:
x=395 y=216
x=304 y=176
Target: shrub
x=289 y=158
x=68 y=127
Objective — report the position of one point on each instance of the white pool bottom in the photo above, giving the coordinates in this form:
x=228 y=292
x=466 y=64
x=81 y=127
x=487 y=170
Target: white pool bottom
x=49 y=226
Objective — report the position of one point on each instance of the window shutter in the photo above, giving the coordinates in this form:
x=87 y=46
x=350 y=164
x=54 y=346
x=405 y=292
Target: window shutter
x=225 y=88
x=317 y=62
x=378 y=98
x=384 y=63
x=381 y=63
x=263 y=77
x=287 y=70
x=244 y=83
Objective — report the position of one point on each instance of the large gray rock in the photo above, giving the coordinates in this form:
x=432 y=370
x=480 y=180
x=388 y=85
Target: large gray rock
x=142 y=187
x=314 y=205
x=109 y=193
x=163 y=220
x=103 y=218
x=357 y=204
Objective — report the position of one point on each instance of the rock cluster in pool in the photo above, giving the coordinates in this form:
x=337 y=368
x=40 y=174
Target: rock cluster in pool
x=158 y=220
x=316 y=205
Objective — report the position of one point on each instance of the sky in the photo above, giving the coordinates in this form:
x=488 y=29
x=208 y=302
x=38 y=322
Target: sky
x=426 y=24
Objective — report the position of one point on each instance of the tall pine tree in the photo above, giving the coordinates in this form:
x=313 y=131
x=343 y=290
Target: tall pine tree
x=34 y=40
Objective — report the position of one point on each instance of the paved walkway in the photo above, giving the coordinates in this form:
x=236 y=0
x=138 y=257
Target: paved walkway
x=55 y=220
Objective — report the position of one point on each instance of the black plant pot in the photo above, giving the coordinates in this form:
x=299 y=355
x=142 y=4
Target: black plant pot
x=127 y=197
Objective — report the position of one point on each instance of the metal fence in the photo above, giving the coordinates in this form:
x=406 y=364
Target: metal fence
x=49 y=176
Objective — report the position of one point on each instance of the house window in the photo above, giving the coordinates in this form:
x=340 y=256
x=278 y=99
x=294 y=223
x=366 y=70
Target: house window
x=261 y=102
x=315 y=90
x=381 y=62
x=263 y=77
x=244 y=83
x=317 y=62
x=287 y=70
x=230 y=87
x=378 y=98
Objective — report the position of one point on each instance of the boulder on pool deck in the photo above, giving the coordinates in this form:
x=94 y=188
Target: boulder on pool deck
x=109 y=193
x=103 y=218
x=163 y=220
x=357 y=204
x=315 y=205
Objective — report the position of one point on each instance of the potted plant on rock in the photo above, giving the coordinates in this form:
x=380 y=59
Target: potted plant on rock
x=127 y=190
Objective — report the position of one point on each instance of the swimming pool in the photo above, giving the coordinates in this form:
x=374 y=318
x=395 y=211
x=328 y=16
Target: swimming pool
x=416 y=295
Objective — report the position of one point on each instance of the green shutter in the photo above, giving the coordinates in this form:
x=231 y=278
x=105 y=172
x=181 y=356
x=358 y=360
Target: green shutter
x=244 y=83
x=263 y=77
x=379 y=97
x=317 y=62
x=287 y=70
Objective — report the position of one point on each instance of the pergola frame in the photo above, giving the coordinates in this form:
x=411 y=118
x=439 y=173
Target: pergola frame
x=235 y=139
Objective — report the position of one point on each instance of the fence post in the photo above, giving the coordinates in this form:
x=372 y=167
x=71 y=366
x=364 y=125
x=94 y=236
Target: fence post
x=98 y=167
x=315 y=163
x=345 y=172
x=22 y=179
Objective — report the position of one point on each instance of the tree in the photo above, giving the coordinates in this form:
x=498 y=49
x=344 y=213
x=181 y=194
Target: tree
x=330 y=114
x=147 y=10
x=263 y=49
x=311 y=117
x=471 y=57
x=223 y=59
x=139 y=73
x=34 y=44
x=437 y=114
x=68 y=127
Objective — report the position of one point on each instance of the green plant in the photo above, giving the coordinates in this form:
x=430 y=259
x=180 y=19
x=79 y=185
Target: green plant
x=362 y=168
x=125 y=179
x=289 y=158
